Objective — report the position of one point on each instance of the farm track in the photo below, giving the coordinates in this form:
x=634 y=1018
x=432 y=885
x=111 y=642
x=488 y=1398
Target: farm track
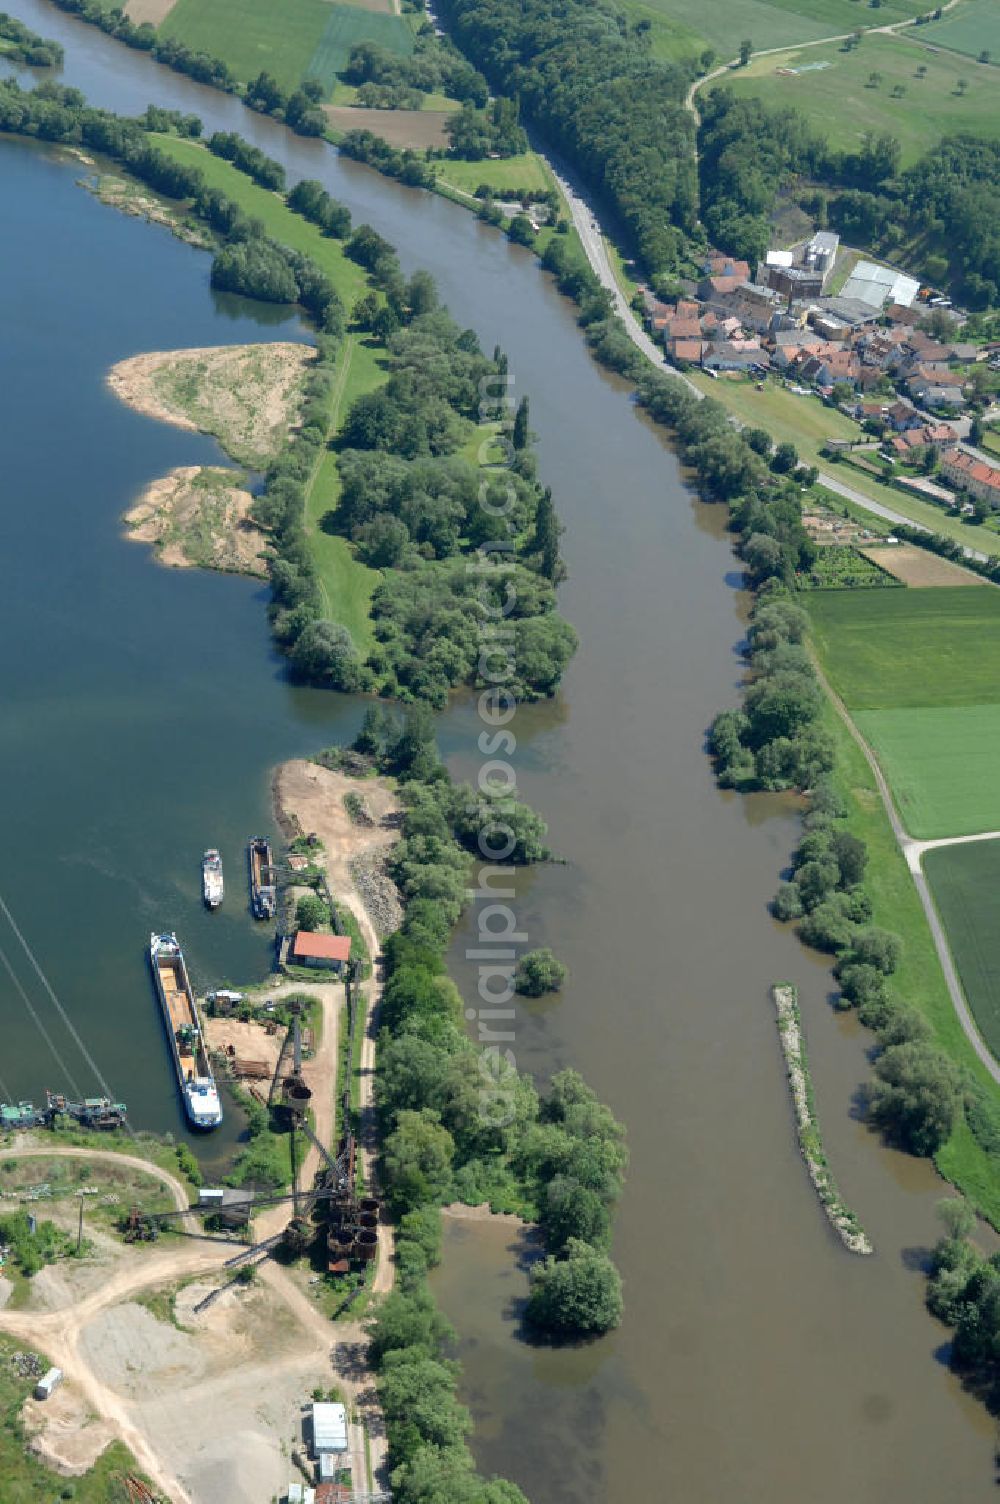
x=912 y=851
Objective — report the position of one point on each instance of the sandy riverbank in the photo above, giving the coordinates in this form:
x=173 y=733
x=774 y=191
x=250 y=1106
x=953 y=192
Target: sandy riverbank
x=246 y=396
x=197 y=518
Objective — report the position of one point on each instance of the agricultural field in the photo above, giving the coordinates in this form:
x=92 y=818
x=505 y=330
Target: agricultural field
x=417 y=129
x=916 y=669
x=974 y=25
x=835 y=92
x=293 y=41
x=839 y=566
x=919 y=979
x=965 y=884
x=682 y=27
x=346 y=25
x=916 y=566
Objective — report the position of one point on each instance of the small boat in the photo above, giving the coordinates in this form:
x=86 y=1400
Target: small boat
x=183 y=1026
x=212 y=886
x=263 y=900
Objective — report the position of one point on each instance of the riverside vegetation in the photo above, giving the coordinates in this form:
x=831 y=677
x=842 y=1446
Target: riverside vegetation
x=19 y=44
x=460 y=1122
x=409 y=493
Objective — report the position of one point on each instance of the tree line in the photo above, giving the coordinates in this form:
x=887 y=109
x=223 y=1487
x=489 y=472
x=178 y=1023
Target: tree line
x=559 y=1158
x=166 y=50
x=22 y=45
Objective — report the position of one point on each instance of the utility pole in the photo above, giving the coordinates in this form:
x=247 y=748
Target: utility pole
x=79 y=1236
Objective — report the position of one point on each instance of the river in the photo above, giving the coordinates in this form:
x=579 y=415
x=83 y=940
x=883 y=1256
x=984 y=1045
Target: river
x=757 y=1361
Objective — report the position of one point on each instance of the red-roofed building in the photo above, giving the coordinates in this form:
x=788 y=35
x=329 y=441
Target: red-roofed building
x=916 y=438
x=330 y=952
x=688 y=350
x=972 y=475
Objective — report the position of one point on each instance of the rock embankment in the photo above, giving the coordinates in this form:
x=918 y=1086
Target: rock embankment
x=843 y=1220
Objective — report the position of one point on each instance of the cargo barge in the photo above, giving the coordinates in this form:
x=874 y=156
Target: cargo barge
x=183 y=1026
x=263 y=899
x=92 y=1112
x=212 y=885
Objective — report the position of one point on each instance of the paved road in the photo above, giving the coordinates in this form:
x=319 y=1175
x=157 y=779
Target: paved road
x=912 y=851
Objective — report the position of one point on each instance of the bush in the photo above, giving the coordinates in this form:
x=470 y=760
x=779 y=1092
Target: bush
x=311 y=913
x=579 y=1295
x=916 y=1097
x=539 y=972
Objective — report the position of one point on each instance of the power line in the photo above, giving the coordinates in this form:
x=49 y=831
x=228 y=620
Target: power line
x=55 y=1001
x=59 y=1009
x=38 y=1022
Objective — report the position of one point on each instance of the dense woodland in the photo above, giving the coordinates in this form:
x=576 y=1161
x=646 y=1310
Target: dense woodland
x=586 y=79
x=940 y=210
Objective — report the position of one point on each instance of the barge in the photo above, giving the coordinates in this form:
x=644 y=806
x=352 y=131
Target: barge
x=183 y=1026
x=263 y=899
x=212 y=885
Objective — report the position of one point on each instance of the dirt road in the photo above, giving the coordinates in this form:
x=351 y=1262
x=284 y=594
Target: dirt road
x=311 y=798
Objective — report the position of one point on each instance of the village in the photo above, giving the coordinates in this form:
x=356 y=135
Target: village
x=869 y=341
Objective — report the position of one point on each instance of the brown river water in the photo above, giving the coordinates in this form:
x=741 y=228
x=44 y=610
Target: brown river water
x=758 y=1361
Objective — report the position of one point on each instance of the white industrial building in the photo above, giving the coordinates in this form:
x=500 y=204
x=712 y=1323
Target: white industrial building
x=329 y=1428
x=50 y=1381
x=878 y=285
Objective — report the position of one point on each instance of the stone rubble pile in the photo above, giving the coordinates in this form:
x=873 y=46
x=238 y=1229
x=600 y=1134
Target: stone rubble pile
x=378 y=893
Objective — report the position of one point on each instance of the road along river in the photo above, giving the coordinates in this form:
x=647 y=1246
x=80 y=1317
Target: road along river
x=758 y=1361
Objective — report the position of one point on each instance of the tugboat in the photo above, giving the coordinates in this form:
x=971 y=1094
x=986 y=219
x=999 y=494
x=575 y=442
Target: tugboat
x=180 y=1017
x=212 y=886
x=263 y=899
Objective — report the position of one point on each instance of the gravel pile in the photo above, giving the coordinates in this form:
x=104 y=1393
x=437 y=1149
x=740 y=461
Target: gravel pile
x=27 y=1365
x=378 y=893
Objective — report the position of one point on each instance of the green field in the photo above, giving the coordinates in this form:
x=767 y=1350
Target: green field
x=840 y=102
x=972 y=26
x=908 y=648
x=965 y=884
x=345 y=584
x=941 y=763
x=681 y=27
x=347 y=25
x=279 y=221
x=917 y=670
x=294 y=40
x=251 y=35
x=512 y=175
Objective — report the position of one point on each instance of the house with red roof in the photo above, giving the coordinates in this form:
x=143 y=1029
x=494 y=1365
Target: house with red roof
x=323 y=952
